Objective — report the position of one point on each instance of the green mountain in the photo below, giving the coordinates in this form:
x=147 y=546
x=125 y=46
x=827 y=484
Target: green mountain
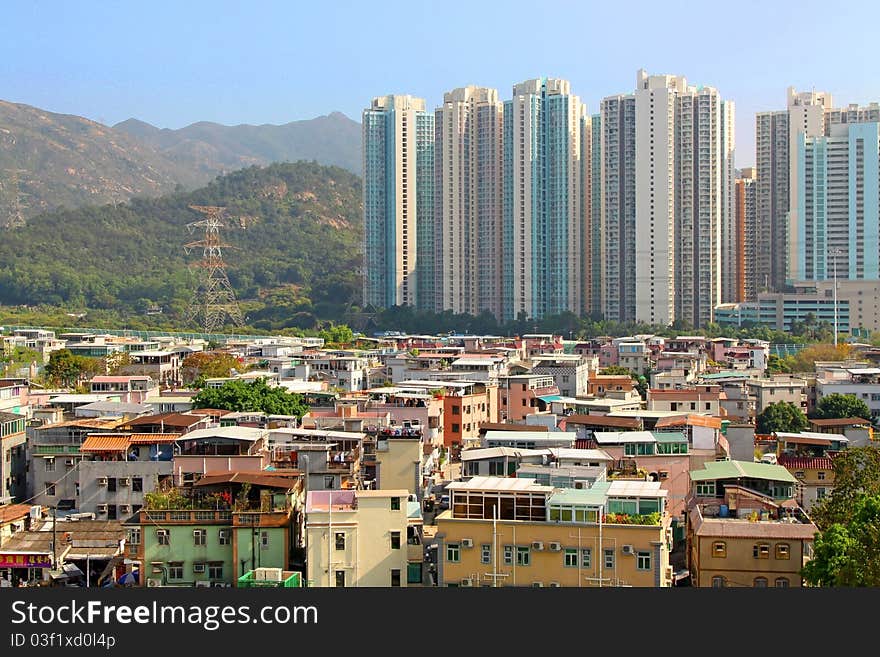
x=295 y=232
x=52 y=160
x=211 y=148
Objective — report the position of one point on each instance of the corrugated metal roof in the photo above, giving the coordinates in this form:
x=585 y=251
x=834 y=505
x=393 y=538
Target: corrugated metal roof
x=806 y=462
x=619 y=437
x=691 y=419
x=840 y=422
x=604 y=421
x=107 y=442
x=500 y=483
x=737 y=469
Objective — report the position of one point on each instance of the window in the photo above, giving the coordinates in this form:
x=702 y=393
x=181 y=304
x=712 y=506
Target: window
x=50 y=465
x=264 y=540
x=609 y=558
x=223 y=535
x=163 y=537
x=485 y=553
x=340 y=540
x=137 y=484
x=643 y=561
x=111 y=512
x=395 y=577
x=455 y=428
x=134 y=535
x=706 y=489
x=820 y=493
x=395 y=504
x=718 y=582
x=456 y=410
x=719 y=549
x=111 y=484
x=523 y=555
x=50 y=490
x=215 y=571
x=329 y=480
x=782 y=551
x=175 y=570
x=340 y=578
x=508 y=555
x=820 y=476
x=587 y=558
x=453 y=553
x=781 y=582
x=570 y=558
x=760 y=583
x=395 y=540
x=761 y=551
x=199 y=537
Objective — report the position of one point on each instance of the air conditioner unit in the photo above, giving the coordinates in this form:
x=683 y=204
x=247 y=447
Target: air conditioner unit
x=628 y=549
x=467 y=543
x=204 y=584
x=669 y=572
x=124 y=481
x=157 y=568
x=555 y=547
x=537 y=545
x=537 y=585
x=467 y=582
x=555 y=585
x=153 y=582
x=102 y=481
x=221 y=585
x=198 y=568
x=125 y=508
x=102 y=508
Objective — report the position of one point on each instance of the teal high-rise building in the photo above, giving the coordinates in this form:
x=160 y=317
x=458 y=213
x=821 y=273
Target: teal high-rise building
x=543 y=211
x=398 y=141
x=838 y=178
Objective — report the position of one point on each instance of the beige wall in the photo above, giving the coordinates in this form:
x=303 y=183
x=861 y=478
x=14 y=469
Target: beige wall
x=549 y=566
x=399 y=466
x=367 y=558
x=740 y=567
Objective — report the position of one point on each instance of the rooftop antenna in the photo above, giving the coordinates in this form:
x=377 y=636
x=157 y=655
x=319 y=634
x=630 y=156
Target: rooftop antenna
x=214 y=300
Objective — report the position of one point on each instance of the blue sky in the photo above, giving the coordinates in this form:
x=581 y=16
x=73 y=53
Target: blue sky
x=174 y=63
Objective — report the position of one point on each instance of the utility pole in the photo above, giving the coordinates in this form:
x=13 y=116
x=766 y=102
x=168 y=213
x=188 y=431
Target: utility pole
x=54 y=541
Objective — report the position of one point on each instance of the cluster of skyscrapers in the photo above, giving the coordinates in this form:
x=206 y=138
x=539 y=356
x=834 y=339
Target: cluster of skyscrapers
x=531 y=206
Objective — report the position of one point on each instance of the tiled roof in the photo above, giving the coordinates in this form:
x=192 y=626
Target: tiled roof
x=170 y=419
x=692 y=420
x=153 y=438
x=11 y=512
x=806 y=462
x=840 y=422
x=107 y=442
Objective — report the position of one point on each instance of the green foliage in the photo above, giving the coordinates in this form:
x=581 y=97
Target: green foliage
x=777 y=365
x=847 y=553
x=782 y=416
x=204 y=364
x=617 y=370
x=240 y=395
x=856 y=474
x=67 y=369
x=337 y=336
x=836 y=405
x=298 y=256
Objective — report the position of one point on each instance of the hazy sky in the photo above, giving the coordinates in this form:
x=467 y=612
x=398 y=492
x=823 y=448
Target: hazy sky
x=174 y=63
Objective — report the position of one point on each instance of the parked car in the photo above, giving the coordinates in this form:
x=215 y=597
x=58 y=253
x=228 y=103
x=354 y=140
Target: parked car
x=444 y=502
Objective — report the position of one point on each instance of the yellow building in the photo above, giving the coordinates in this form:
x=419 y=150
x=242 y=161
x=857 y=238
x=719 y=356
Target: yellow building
x=358 y=538
x=815 y=475
x=398 y=463
x=744 y=527
x=513 y=532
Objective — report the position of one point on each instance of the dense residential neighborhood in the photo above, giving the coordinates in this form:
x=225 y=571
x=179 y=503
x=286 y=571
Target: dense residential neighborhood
x=418 y=460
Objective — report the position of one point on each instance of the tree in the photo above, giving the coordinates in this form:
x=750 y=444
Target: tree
x=616 y=370
x=805 y=359
x=836 y=405
x=848 y=552
x=856 y=474
x=66 y=368
x=782 y=416
x=240 y=395
x=209 y=365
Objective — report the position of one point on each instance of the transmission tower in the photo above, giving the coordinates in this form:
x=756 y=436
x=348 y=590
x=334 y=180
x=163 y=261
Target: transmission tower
x=15 y=218
x=214 y=300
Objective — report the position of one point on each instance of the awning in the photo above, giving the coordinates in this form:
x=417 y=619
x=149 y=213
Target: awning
x=153 y=438
x=109 y=443
x=67 y=571
x=550 y=398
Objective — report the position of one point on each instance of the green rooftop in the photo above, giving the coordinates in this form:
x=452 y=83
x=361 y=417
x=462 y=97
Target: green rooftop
x=669 y=436
x=742 y=469
x=595 y=496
